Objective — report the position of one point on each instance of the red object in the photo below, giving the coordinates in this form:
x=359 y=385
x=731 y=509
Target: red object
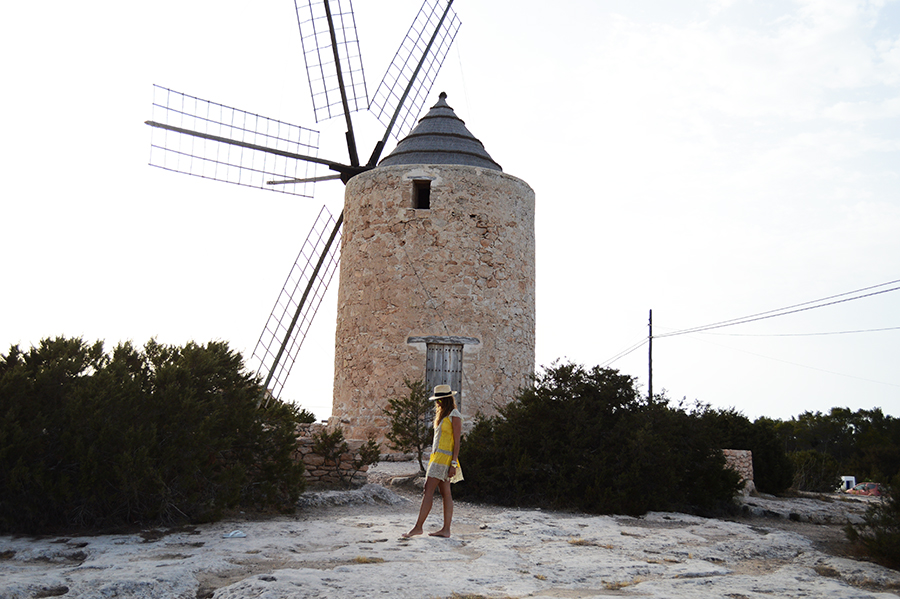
x=873 y=489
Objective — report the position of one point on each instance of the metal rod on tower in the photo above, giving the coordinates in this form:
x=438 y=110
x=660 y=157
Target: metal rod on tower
x=376 y=153
x=351 y=139
x=243 y=144
x=650 y=361
x=309 y=285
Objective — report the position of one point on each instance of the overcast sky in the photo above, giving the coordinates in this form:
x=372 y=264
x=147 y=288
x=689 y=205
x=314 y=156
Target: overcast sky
x=707 y=160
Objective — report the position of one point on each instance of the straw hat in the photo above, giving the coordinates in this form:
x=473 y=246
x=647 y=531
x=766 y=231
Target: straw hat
x=442 y=391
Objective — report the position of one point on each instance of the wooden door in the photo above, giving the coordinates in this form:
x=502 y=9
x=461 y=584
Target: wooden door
x=443 y=366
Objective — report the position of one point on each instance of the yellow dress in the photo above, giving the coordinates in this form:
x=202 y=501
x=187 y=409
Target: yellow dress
x=442 y=451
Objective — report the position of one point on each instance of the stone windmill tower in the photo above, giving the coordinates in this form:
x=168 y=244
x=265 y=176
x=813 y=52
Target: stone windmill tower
x=437 y=278
x=437 y=258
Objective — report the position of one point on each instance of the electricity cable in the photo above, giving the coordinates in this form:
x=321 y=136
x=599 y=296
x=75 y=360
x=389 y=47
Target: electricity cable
x=786 y=310
x=797 y=364
x=625 y=352
x=804 y=334
x=772 y=314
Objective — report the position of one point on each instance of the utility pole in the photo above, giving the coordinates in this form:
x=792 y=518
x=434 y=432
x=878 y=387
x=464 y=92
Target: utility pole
x=650 y=360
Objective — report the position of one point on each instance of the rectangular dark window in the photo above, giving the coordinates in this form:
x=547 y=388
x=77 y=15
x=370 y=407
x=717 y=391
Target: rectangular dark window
x=422 y=194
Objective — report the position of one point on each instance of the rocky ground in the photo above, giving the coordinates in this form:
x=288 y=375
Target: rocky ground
x=348 y=544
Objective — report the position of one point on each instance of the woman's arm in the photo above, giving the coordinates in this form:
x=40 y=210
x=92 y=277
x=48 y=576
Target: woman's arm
x=456 y=421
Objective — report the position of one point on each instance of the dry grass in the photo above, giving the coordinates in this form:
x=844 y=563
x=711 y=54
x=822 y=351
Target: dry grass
x=579 y=542
x=359 y=559
x=620 y=584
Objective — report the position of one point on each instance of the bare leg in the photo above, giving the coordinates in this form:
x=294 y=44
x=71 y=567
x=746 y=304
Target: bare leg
x=444 y=485
x=425 y=509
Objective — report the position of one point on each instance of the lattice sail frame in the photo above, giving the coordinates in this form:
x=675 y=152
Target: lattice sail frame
x=430 y=36
x=239 y=163
x=297 y=304
x=318 y=52
x=214 y=141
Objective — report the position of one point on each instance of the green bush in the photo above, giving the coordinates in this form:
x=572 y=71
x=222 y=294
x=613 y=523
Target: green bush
x=332 y=446
x=411 y=420
x=301 y=415
x=368 y=454
x=585 y=439
x=772 y=469
x=865 y=443
x=815 y=471
x=90 y=439
x=879 y=533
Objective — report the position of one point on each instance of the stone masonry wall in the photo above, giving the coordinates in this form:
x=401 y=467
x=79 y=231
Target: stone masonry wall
x=319 y=471
x=463 y=268
x=741 y=461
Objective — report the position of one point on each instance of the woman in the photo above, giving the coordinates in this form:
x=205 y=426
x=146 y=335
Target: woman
x=443 y=466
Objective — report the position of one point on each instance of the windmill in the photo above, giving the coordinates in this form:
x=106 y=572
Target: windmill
x=214 y=141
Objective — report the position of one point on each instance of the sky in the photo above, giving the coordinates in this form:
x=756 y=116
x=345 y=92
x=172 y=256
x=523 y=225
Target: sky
x=704 y=159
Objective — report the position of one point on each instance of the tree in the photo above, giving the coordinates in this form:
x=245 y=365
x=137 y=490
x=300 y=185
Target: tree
x=879 y=533
x=586 y=439
x=157 y=435
x=369 y=454
x=332 y=446
x=865 y=443
x=772 y=469
x=410 y=418
x=815 y=471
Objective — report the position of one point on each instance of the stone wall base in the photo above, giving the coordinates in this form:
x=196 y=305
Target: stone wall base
x=321 y=472
x=741 y=461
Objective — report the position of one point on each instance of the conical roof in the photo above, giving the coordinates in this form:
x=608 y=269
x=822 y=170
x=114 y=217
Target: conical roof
x=441 y=137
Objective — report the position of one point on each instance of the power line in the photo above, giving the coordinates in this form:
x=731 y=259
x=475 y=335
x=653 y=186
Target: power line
x=850 y=376
x=625 y=352
x=770 y=314
x=787 y=310
x=804 y=334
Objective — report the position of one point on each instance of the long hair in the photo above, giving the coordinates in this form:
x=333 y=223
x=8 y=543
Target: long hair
x=444 y=406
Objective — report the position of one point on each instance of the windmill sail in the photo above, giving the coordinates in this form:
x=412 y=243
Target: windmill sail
x=298 y=303
x=214 y=141
x=399 y=98
x=333 y=62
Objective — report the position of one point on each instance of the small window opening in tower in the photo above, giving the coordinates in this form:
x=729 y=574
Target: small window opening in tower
x=422 y=194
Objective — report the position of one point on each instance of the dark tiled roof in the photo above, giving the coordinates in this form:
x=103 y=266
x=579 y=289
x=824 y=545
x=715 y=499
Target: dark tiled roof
x=441 y=137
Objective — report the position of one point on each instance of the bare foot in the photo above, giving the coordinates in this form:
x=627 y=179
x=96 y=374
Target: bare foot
x=412 y=533
x=440 y=533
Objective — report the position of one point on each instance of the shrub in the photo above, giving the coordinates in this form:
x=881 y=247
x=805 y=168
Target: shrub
x=585 y=439
x=815 y=471
x=879 y=533
x=410 y=418
x=865 y=443
x=772 y=469
x=301 y=415
x=369 y=454
x=166 y=434
x=332 y=446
